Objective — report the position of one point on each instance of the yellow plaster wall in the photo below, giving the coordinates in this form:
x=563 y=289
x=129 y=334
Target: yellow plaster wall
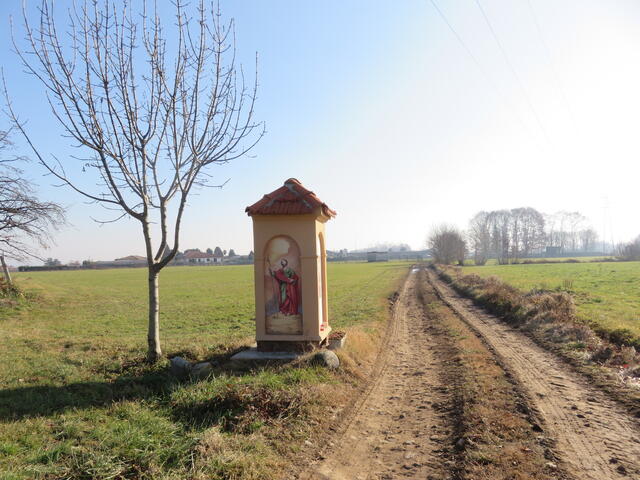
x=305 y=230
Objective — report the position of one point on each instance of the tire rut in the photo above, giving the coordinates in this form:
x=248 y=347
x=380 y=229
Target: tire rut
x=596 y=439
x=403 y=426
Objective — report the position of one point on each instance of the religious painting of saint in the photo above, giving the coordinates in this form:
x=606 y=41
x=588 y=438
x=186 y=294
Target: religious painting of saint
x=283 y=292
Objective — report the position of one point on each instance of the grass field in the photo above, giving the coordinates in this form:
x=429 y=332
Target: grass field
x=76 y=400
x=534 y=260
x=606 y=294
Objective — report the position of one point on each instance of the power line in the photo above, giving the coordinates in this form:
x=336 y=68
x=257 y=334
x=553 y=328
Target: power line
x=605 y=206
x=554 y=72
x=489 y=79
x=459 y=38
x=513 y=71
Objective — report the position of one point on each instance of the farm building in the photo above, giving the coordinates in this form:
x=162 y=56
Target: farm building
x=128 y=261
x=553 y=251
x=131 y=260
x=194 y=256
x=377 y=256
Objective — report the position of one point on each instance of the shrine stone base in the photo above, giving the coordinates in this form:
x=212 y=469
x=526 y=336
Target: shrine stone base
x=303 y=346
x=254 y=355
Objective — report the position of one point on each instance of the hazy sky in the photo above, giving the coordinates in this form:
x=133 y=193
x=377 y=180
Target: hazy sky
x=398 y=123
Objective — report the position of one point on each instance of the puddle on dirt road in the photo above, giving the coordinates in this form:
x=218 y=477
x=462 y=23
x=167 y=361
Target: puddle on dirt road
x=415 y=269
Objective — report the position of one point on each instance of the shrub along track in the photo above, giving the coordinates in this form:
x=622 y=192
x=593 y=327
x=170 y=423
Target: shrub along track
x=596 y=438
x=438 y=406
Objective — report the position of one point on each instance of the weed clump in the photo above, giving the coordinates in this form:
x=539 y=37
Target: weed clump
x=240 y=408
x=11 y=295
x=9 y=289
x=550 y=315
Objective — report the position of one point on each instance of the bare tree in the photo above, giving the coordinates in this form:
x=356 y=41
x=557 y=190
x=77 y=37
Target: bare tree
x=576 y=222
x=563 y=234
x=52 y=262
x=150 y=104
x=506 y=234
x=527 y=231
x=480 y=237
x=564 y=230
x=533 y=235
x=447 y=244
x=500 y=227
x=26 y=222
x=551 y=222
x=588 y=239
x=629 y=251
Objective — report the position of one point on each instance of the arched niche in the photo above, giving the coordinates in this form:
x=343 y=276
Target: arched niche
x=282 y=287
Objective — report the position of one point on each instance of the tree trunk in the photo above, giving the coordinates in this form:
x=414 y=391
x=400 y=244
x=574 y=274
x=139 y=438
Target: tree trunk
x=153 y=336
x=5 y=270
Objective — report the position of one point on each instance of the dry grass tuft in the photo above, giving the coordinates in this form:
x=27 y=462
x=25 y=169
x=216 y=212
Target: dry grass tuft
x=219 y=455
x=550 y=317
x=360 y=351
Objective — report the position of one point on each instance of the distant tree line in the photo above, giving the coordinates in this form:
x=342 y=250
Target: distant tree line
x=509 y=235
x=217 y=252
x=629 y=251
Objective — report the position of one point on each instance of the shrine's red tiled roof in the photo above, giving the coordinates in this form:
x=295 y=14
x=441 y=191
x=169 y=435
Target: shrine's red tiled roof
x=290 y=199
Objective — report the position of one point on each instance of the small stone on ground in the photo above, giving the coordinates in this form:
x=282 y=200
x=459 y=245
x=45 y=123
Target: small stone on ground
x=202 y=370
x=180 y=367
x=326 y=358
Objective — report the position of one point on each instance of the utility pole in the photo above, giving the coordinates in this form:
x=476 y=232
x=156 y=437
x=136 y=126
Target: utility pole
x=604 y=222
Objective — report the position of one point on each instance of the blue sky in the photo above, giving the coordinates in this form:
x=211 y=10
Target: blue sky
x=378 y=108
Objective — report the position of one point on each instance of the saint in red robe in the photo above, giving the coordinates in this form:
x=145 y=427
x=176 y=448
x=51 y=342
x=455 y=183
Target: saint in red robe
x=289 y=283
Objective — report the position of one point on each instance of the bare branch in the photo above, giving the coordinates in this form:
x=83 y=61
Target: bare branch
x=26 y=222
x=151 y=105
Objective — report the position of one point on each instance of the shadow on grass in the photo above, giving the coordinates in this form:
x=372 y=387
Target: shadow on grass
x=137 y=381
x=239 y=408
x=18 y=403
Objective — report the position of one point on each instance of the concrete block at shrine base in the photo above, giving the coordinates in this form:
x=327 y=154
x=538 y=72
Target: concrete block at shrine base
x=254 y=355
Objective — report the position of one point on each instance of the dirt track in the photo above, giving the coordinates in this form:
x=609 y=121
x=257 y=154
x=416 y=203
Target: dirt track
x=596 y=439
x=403 y=425
x=402 y=421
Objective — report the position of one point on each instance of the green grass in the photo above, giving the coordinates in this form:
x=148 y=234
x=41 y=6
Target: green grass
x=76 y=400
x=494 y=262
x=607 y=294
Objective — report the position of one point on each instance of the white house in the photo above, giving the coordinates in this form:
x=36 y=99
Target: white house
x=193 y=256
